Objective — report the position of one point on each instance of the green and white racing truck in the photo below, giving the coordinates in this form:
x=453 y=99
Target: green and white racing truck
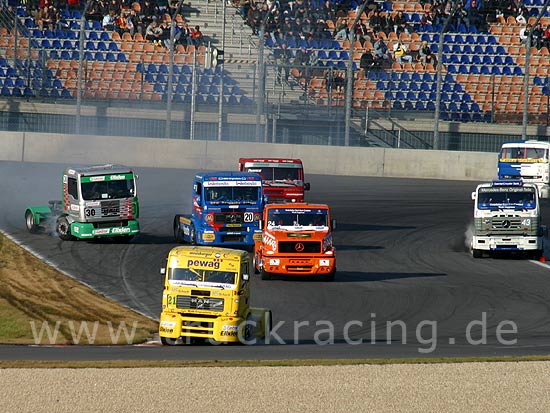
x=98 y=201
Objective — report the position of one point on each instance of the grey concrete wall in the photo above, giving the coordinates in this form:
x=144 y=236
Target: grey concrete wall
x=213 y=155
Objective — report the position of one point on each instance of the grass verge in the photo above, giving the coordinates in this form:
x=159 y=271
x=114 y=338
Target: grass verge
x=39 y=305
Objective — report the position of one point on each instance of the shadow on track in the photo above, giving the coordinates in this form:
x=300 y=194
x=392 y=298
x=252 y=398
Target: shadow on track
x=359 y=227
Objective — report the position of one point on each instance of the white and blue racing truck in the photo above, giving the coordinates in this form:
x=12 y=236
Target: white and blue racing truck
x=507 y=218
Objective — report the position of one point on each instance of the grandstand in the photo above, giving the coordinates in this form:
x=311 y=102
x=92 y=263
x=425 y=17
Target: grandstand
x=483 y=67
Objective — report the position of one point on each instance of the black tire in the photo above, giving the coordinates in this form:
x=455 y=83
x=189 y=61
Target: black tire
x=477 y=253
x=166 y=341
x=256 y=271
x=330 y=276
x=264 y=275
x=63 y=229
x=123 y=239
x=537 y=254
x=247 y=333
x=29 y=221
x=192 y=235
x=178 y=234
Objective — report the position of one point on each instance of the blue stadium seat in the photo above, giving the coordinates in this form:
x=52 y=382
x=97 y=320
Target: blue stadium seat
x=101 y=46
x=121 y=57
x=397 y=105
x=110 y=57
x=99 y=56
x=5 y=91
x=17 y=92
x=495 y=70
x=451 y=69
x=430 y=105
x=507 y=70
x=408 y=105
x=419 y=105
x=476 y=60
x=411 y=95
x=497 y=60
x=19 y=82
x=104 y=36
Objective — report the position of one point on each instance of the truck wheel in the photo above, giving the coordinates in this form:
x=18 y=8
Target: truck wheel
x=192 y=235
x=537 y=254
x=178 y=234
x=247 y=333
x=256 y=271
x=477 y=253
x=63 y=229
x=29 y=220
x=264 y=275
x=168 y=341
x=330 y=276
x=123 y=239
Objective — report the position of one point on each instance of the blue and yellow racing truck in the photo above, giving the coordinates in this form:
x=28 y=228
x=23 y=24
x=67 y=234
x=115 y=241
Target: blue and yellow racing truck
x=227 y=210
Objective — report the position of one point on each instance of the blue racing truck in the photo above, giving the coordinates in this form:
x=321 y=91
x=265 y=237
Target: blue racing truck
x=227 y=210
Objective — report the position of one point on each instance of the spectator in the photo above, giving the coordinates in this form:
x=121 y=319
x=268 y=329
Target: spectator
x=546 y=38
x=400 y=53
x=538 y=36
x=341 y=31
x=367 y=62
x=425 y=54
x=109 y=21
x=362 y=33
x=380 y=50
x=329 y=80
x=520 y=18
x=509 y=8
x=524 y=33
x=282 y=60
x=197 y=36
x=244 y=6
x=339 y=82
x=301 y=58
x=153 y=33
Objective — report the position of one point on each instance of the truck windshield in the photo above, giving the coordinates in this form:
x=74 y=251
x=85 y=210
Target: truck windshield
x=229 y=194
x=94 y=191
x=506 y=198
x=523 y=154
x=297 y=218
x=202 y=276
x=277 y=174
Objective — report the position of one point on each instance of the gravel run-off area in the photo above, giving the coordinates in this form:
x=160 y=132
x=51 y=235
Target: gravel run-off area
x=472 y=387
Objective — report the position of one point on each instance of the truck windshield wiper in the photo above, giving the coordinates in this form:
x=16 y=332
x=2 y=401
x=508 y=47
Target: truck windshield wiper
x=219 y=286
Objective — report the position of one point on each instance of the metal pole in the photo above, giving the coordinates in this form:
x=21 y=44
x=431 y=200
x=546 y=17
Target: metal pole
x=261 y=73
x=80 y=59
x=440 y=75
x=349 y=75
x=16 y=38
x=169 y=92
x=220 y=100
x=193 y=93
x=526 y=74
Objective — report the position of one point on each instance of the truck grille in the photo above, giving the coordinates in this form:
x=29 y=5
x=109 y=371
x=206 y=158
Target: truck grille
x=228 y=218
x=298 y=247
x=110 y=208
x=199 y=303
x=110 y=224
x=233 y=238
x=506 y=223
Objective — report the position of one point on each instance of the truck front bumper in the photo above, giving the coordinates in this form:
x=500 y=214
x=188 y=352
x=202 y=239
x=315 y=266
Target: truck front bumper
x=221 y=329
x=514 y=243
x=86 y=230
x=321 y=265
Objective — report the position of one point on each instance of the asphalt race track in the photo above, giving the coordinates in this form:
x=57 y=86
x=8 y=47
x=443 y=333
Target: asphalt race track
x=401 y=260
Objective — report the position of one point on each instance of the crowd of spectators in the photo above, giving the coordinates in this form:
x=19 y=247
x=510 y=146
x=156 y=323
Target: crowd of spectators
x=150 y=18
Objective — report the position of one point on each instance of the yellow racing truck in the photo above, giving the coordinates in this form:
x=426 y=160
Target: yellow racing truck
x=207 y=296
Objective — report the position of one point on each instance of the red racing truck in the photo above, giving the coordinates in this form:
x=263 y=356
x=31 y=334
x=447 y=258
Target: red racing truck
x=282 y=179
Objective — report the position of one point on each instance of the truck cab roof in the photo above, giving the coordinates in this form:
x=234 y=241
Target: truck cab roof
x=227 y=175
x=97 y=170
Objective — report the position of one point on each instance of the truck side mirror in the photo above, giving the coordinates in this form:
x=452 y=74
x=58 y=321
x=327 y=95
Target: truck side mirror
x=333 y=224
x=266 y=199
x=306 y=186
x=261 y=224
x=163 y=271
x=473 y=196
x=245 y=277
